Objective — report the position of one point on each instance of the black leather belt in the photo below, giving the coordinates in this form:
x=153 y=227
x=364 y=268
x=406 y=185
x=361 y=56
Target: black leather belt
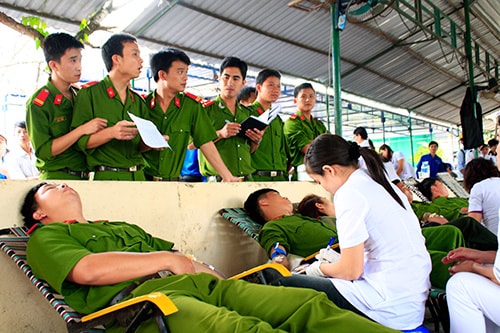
x=107 y=168
x=191 y=179
x=162 y=179
x=269 y=173
x=81 y=174
x=218 y=179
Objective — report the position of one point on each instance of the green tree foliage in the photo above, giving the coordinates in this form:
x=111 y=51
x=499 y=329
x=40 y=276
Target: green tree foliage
x=37 y=24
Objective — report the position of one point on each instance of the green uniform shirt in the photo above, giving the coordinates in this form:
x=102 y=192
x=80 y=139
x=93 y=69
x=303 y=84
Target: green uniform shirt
x=54 y=249
x=272 y=152
x=448 y=207
x=102 y=101
x=299 y=132
x=300 y=235
x=184 y=119
x=48 y=116
x=234 y=151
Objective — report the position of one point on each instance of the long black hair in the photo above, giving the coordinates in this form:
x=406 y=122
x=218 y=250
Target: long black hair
x=330 y=149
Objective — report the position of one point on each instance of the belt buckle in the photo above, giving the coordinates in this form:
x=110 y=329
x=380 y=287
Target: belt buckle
x=273 y=173
x=133 y=168
x=157 y=179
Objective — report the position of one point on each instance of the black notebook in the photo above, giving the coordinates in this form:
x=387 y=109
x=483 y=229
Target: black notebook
x=251 y=123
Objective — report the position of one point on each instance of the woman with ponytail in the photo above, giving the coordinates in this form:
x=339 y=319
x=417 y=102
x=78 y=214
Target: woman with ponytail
x=383 y=269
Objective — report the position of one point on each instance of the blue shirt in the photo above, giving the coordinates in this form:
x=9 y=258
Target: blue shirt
x=435 y=165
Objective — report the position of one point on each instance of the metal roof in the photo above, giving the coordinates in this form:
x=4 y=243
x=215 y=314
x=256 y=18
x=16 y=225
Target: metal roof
x=393 y=59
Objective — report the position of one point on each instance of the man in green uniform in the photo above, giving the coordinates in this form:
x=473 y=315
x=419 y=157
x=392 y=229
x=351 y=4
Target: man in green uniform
x=302 y=128
x=226 y=114
x=444 y=210
x=114 y=153
x=180 y=116
x=270 y=160
x=89 y=263
x=50 y=110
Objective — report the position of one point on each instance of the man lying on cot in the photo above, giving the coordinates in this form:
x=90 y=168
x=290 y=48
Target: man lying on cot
x=91 y=262
x=283 y=231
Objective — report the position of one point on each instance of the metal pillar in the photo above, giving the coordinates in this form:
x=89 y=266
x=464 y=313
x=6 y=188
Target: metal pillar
x=336 y=69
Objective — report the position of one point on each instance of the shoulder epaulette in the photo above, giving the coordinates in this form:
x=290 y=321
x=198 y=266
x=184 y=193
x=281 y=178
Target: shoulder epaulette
x=89 y=84
x=193 y=96
x=206 y=103
x=41 y=97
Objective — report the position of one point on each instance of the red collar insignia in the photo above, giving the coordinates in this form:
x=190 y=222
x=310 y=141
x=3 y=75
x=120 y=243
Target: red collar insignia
x=152 y=103
x=259 y=110
x=58 y=99
x=177 y=101
x=111 y=92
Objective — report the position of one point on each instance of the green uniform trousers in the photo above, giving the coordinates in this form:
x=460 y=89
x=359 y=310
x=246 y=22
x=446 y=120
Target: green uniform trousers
x=439 y=241
x=207 y=304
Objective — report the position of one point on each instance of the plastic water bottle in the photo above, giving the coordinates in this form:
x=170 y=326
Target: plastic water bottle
x=425 y=171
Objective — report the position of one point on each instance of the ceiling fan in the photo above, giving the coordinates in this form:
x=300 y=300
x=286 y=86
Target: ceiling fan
x=360 y=11
x=492 y=91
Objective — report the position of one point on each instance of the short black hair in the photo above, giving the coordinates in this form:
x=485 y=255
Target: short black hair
x=163 y=60
x=265 y=74
x=433 y=143
x=245 y=93
x=300 y=87
x=114 y=45
x=425 y=187
x=56 y=44
x=492 y=142
x=30 y=205
x=20 y=124
x=252 y=207
x=361 y=131
x=234 y=62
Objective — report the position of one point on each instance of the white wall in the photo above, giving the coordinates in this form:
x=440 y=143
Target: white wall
x=185 y=213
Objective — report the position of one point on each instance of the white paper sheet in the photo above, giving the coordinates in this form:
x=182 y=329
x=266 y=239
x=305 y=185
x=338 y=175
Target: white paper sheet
x=149 y=133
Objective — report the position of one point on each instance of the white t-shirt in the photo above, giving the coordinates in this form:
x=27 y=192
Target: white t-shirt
x=496 y=268
x=485 y=199
x=20 y=164
x=393 y=287
x=408 y=170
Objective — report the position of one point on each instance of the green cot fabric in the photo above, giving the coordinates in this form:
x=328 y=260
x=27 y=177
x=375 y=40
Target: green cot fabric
x=448 y=207
x=205 y=303
x=184 y=120
x=101 y=100
x=273 y=151
x=240 y=218
x=234 y=151
x=298 y=234
x=439 y=241
x=299 y=132
x=48 y=118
